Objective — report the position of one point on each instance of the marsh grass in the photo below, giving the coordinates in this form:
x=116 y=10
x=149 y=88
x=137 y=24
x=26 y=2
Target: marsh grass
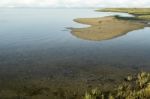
x=137 y=11
x=140 y=13
x=147 y=17
x=133 y=87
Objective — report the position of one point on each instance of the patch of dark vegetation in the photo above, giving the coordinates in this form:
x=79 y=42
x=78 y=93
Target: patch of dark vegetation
x=34 y=90
x=126 y=18
x=133 y=87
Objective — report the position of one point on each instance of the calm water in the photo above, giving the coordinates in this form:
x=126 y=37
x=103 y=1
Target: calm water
x=35 y=42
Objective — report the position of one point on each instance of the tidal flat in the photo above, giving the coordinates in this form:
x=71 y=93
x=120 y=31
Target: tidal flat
x=105 y=28
x=109 y=27
x=41 y=60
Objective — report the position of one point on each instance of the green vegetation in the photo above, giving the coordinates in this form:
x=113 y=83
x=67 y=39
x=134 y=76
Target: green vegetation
x=136 y=11
x=140 y=13
x=144 y=17
x=133 y=87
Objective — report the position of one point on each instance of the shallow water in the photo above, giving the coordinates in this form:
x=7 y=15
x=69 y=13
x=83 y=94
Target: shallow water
x=36 y=43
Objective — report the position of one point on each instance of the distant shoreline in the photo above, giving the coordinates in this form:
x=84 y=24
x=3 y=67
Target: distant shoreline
x=139 y=13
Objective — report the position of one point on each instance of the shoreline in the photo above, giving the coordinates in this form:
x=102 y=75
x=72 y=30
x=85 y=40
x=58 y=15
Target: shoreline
x=99 y=28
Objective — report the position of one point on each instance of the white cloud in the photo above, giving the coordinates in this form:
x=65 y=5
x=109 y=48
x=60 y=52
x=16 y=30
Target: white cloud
x=74 y=3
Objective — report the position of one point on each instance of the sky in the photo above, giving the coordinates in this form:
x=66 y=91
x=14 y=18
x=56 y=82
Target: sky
x=74 y=3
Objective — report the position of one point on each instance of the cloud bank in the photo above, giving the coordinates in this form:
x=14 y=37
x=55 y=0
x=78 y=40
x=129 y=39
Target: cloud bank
x=74 y=3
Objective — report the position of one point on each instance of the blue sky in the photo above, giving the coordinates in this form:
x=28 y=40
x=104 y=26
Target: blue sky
x=74 y=3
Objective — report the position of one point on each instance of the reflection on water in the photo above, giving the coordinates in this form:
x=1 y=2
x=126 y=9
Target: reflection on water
x=33 y=45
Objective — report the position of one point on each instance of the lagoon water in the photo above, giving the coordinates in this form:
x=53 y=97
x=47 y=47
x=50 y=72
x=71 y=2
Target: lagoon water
x=35 y=43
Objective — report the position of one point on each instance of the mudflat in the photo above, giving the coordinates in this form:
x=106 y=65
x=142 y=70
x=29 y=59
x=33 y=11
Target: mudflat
x=105 y=28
